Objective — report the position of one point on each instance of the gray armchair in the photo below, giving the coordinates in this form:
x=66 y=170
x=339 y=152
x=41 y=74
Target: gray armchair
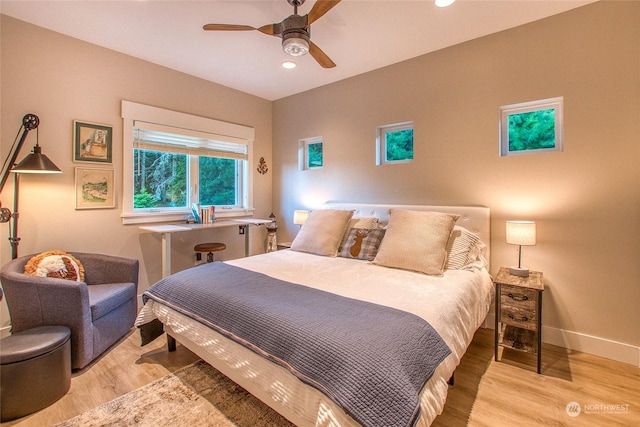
x=98 y=311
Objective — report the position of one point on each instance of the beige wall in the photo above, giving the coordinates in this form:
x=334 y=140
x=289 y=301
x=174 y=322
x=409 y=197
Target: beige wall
x=585 y=200
x=61 y=79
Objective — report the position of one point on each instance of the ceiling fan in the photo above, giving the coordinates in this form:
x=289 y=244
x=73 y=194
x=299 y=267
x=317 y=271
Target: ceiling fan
x=294 y=30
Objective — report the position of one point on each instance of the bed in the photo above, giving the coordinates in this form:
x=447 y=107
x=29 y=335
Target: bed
x=453 y=301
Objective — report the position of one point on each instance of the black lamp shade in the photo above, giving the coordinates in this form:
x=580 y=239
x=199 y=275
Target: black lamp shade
x=36 y=162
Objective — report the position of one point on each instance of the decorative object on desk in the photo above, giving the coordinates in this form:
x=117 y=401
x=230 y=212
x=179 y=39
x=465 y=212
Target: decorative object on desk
x=92 y=142
x=521 y=233
x=300 y=216
x=262 y=166
x=204 y=214
x=195 y=209
x=95 y=188
x=272 y=228
x=36 y=162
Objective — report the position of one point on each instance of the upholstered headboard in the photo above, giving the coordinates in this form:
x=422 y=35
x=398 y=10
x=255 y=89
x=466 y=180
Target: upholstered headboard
x=476 y=219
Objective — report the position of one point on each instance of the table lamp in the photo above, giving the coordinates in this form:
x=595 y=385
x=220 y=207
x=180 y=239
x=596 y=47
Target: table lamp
x=300 y=216
x=521 y=233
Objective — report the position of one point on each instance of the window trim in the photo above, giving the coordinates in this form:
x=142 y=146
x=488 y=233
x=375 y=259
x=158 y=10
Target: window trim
x=528 y=107
x=303 y=152
x=224 y=131
x=381 y=142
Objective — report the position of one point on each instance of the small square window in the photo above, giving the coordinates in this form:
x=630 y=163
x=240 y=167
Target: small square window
x=531 y=127
x=310 y=153
x=394 y=143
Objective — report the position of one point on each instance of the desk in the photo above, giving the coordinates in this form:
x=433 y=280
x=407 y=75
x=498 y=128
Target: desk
x=167 y=230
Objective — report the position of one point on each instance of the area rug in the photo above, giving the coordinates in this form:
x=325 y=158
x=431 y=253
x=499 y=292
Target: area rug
x=196 y=395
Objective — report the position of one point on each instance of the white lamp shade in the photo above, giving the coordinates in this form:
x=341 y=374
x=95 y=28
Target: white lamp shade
x=299 y=216
x=521 y=233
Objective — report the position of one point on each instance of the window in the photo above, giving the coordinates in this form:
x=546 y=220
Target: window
x=310 y=153
x=531 y=127
x=185 y=160
x=394 y=143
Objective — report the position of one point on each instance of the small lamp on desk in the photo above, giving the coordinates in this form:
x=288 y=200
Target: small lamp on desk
x=521 y=233
x=299 y=217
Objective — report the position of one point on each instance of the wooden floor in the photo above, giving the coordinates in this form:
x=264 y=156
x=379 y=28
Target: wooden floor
x=486 y=393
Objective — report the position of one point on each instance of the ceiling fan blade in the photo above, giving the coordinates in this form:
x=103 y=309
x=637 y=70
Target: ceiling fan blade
x=320 y=8
x=269 y=29
x=227 y=27
x=320 y=56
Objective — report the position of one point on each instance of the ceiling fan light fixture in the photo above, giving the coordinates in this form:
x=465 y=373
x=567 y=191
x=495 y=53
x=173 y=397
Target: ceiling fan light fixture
x=444 y=3
x=295 y=44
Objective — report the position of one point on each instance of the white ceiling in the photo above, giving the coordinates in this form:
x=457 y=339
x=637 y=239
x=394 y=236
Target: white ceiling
x=358 y=35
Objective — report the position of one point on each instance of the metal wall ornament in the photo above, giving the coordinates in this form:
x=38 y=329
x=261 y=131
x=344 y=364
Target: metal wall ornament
x=262 y=166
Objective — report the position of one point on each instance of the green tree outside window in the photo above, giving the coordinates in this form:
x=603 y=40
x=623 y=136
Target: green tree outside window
x=399 y=145
x=532 y=130
x=314 y=155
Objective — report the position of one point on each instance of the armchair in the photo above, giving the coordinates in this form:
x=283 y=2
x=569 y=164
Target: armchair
x=98 y=311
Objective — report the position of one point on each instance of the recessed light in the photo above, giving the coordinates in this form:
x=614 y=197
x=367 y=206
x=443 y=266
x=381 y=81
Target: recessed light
x=289 y=65
x=444 y=3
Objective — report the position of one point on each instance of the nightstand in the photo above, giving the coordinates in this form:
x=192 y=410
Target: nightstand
x=284 y=245
x=519 y=312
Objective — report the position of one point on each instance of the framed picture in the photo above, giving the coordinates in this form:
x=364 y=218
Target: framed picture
x=531 y=127
x=92 y=142
x=95 y=188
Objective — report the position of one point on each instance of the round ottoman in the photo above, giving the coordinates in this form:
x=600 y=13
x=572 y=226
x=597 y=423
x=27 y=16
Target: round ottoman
x=35 y=367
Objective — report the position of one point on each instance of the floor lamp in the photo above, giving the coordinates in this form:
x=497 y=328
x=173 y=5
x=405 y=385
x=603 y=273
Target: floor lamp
x=35 y=162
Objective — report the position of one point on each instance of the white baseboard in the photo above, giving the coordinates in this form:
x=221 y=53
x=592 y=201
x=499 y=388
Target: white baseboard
x=597 y=346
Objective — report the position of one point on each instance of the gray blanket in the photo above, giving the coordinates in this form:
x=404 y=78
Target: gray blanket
x=371 y=360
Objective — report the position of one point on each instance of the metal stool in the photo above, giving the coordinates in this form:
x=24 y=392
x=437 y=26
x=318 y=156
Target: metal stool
x=210 y=248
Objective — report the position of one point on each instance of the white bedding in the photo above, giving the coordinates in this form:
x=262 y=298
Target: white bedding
x=455 y=304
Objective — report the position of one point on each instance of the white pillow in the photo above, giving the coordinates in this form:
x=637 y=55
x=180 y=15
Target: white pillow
x=363 y=222
x=416 y=241
x=462 y=248
x=322 y=232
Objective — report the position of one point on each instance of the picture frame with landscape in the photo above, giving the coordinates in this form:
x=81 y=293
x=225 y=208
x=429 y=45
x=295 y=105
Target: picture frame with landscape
x=94 y=188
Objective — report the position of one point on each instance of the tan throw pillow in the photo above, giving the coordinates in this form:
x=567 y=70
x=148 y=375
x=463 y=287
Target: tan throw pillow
x=362 y=243
x=416 y=241
x=58 y=264
x=322 y=232
x=361 y=222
